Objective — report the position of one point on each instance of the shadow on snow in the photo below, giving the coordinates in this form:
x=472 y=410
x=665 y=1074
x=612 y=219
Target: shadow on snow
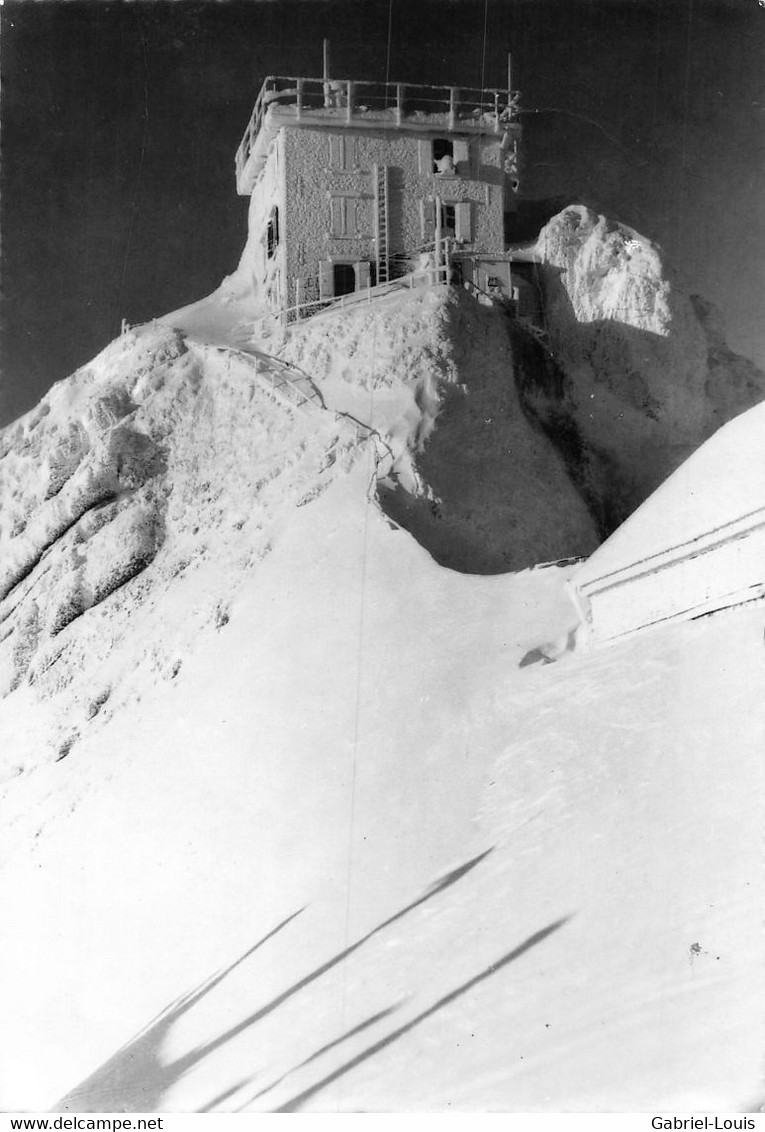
x=135 y=1079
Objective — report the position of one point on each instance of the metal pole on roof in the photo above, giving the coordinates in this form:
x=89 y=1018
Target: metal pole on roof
x=327 y=98
x=509 y=77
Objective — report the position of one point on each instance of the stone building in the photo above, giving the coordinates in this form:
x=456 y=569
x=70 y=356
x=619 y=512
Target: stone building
x=354 y=184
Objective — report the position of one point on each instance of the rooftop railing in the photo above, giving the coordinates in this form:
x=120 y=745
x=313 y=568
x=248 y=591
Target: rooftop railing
x=348 y=100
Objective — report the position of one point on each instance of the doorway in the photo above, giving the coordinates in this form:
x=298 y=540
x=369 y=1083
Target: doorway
x=344 y=278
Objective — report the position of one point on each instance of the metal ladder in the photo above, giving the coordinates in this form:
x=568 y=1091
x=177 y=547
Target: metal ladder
x=382 y=249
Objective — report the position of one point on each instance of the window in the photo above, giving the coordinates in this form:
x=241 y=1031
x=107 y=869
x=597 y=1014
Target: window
x=448 y=219
x=455 y=220
x=272 y=233
x=443 y=155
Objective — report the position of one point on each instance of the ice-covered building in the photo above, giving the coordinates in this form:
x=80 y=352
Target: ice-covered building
x=351 y=183
x=696 y=545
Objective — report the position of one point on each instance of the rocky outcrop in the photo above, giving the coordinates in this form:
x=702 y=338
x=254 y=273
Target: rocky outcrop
x=160 y=460
x=647 y=374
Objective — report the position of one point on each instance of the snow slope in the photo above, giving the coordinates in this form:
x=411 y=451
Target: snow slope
x=720 y=485
x=605 y=954
x=291 y=818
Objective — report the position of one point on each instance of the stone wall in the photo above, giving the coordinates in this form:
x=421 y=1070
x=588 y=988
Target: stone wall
x=330 y=195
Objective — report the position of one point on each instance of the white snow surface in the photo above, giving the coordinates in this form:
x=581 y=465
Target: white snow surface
x=291 y=821
x=722 y=482
x=334 y=760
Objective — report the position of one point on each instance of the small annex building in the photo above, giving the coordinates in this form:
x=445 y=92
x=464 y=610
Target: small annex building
x=696 y=545
x=352 y=183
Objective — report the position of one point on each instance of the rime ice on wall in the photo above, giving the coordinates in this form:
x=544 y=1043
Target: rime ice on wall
x=328 y=170
x=263 y=262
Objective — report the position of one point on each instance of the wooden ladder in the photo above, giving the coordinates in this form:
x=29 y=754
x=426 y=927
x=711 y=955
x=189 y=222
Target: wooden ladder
x=382 y=247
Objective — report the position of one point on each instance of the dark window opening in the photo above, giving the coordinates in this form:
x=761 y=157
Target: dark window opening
x=344 y=275
x=443 y=155
x=448 y=219
x=272 y=233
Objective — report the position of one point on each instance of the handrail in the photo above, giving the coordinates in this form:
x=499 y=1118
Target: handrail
x=408 y=87
x=436 y=272
x=483 y=105
x=355 y=298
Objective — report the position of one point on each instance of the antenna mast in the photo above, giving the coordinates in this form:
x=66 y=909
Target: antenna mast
x=327 y=95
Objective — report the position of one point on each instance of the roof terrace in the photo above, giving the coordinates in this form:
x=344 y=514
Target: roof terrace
x=367 y=105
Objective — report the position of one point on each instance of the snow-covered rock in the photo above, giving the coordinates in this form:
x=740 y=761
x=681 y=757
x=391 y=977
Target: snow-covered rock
x=648 y=376
x=475 y=480
x=161 y=465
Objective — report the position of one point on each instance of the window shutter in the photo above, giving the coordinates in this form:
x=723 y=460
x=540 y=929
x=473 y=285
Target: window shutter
x=462 y=155
x=363 y=217
x=337 y=216
x=352 y=217
x=428 y=218
x=426 y=157
x=464 y=230
x=362 y=275
x=326 y=280
x=336 y=152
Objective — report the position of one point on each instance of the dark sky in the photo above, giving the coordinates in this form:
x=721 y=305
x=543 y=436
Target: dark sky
x=120 y=122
